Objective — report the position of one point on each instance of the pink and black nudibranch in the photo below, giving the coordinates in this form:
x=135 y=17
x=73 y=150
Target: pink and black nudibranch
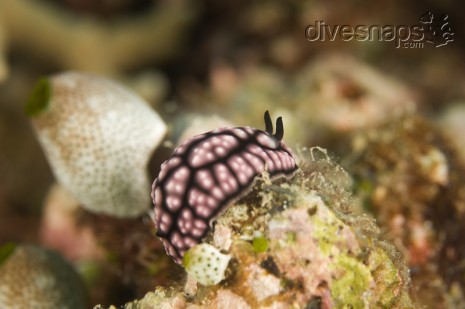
x=208 y=172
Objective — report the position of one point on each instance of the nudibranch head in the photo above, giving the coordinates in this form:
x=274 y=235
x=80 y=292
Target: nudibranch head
x=206 y=173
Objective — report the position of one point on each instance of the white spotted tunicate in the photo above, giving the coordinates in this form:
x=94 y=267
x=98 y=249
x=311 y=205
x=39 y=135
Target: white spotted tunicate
x=206 y=264
x=209 y=171
x=98 y=137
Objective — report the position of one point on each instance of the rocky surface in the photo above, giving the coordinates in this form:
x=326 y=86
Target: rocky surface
x=294 y=243
x=33 y=277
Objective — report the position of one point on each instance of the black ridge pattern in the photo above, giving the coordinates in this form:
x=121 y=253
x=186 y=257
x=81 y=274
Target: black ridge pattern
x=240 y=149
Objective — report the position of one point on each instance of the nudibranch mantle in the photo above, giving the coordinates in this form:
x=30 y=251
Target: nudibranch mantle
x=206 y=173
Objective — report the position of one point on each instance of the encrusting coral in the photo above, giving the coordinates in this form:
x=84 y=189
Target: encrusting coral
x=297 y=243
x=98 y=137
x=33 y=277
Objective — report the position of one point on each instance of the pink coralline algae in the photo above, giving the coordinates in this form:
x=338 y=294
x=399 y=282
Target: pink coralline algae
x=207 y=173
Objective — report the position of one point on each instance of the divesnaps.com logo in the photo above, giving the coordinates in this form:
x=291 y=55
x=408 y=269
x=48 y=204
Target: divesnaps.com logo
x=432 y=30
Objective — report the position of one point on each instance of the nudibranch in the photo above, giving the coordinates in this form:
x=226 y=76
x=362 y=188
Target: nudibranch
x=206 y=173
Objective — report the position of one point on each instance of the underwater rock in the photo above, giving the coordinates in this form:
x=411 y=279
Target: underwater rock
x=98 y=138
x=33 y=277
x=409 y=175
x=297 y=243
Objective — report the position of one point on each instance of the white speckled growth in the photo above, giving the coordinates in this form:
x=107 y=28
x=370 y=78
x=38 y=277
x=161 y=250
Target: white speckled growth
x=206 y=264
x=98 y=137
x=206 y=173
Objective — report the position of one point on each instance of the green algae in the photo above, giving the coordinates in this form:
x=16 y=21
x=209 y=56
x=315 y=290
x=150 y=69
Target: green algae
x=39 y=99
x=326 y=232
x=6 y=250
x=388 y=281
x=351 y=289
x=260 y=244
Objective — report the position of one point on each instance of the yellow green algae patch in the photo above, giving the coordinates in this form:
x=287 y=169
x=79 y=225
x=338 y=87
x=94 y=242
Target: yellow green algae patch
x=388 y=279
x=363 y=272
x=39 y=98
x=260 y=244
x=351 y=288
x=351 y=280
x=5 y=251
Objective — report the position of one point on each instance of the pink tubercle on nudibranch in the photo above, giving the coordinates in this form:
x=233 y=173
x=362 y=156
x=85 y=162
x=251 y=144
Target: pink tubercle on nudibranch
x=206 y=173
